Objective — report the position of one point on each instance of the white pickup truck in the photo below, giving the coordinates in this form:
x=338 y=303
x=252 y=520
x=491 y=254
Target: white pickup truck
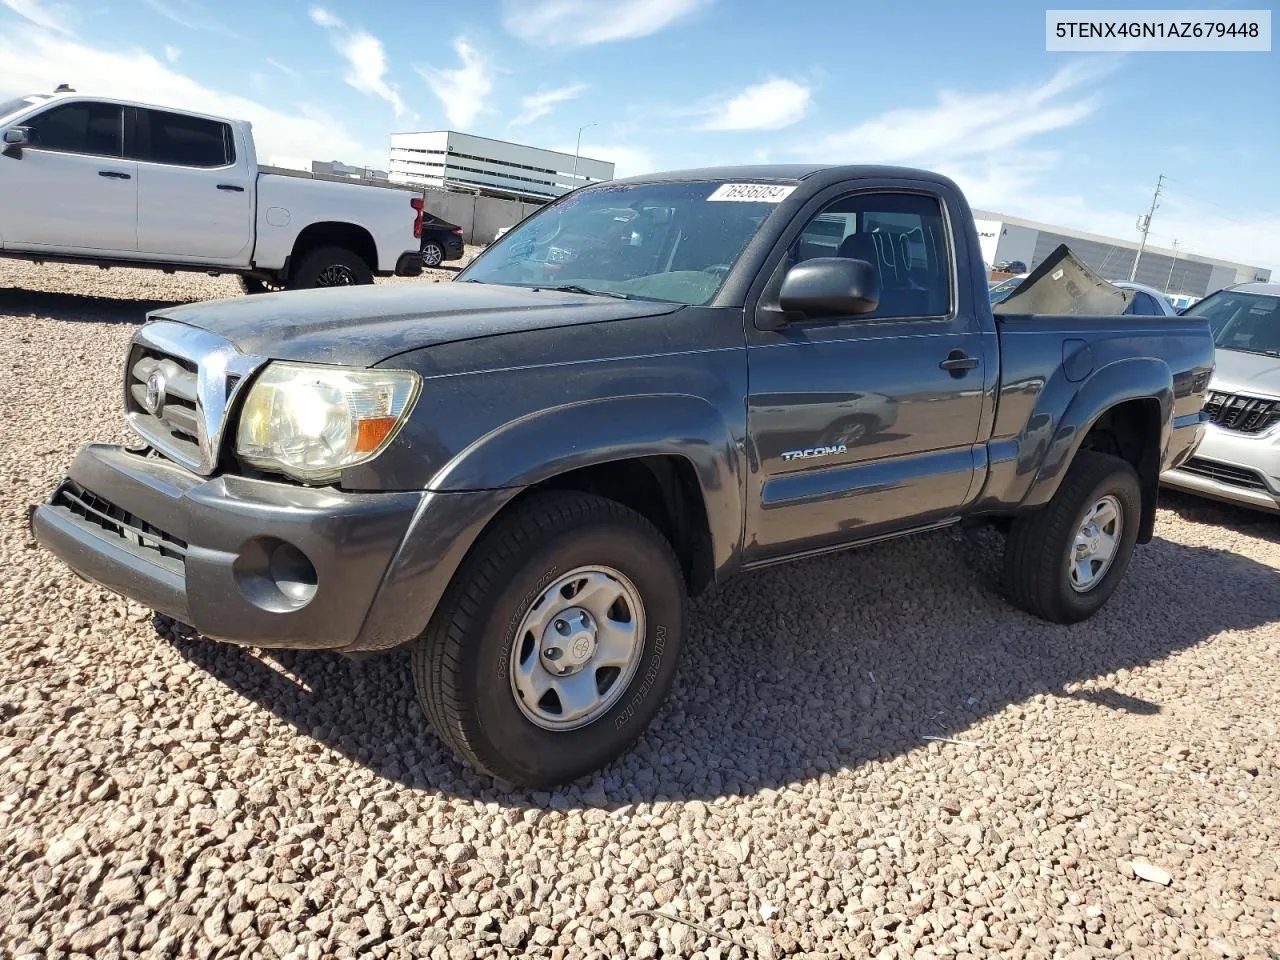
x=95 y=180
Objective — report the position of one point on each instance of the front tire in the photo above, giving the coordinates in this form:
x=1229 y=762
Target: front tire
x=256 y=285
x=1063 y=562
x=330 y=267
x=557 y=641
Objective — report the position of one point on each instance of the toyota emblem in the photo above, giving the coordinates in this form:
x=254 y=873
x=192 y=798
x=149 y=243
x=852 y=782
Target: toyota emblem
x=153 y=402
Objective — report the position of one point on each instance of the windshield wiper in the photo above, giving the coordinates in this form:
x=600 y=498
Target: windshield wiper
x=575 y=288
x=1253 y=350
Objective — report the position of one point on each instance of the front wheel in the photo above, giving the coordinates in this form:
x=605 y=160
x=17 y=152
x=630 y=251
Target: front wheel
x=1063 y=562
x=330 y=267
x=256 y=285
x=557 y=641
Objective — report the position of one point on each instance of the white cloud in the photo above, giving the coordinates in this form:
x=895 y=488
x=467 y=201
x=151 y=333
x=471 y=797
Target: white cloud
x=324 y=18
x=365 y=56
x=172 y=53
x=39 y=60
x=987 y=143
x=627 y=161
x=190 y=14
x=583 y=22
x=462 y=91
x=771 y=105
x=51 y=17
x=538 y=105
x=966 y=124
x=287 y=71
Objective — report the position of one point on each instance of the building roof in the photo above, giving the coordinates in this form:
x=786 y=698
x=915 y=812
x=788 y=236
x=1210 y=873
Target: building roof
x=508 y=143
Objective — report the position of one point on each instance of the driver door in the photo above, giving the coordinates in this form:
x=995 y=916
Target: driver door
x=71 y=190
x=864 y=425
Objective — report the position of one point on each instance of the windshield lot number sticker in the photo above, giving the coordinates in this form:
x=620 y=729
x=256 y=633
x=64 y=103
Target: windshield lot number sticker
x=751 y=192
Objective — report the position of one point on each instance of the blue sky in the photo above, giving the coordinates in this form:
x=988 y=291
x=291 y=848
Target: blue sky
x=1076 y=139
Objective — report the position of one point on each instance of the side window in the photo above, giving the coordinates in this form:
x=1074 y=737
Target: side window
x=96 y=129
x=903 y=235
x=185 y=141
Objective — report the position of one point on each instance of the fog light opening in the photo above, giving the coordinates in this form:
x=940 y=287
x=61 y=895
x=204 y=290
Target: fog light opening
x=292 y=573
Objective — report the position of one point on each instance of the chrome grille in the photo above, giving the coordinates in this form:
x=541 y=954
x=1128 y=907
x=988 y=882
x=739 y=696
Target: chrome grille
x=180 y=382
x=1224 y=473
x=169 y=413
x=1237 y=411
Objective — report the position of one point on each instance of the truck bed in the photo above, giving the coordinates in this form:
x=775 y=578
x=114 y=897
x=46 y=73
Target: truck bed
x=333 y=178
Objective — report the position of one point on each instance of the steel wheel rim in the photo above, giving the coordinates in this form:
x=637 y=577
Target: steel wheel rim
x=1094 y=547
x=577 y=648
x=336 y=275
x=432 y=255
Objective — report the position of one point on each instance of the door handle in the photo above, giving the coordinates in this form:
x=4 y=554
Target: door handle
x=114 y=175
x=958 y=363
x=231 y=186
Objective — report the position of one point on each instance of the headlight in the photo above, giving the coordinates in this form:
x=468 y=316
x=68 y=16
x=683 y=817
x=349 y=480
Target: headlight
x=310 y=422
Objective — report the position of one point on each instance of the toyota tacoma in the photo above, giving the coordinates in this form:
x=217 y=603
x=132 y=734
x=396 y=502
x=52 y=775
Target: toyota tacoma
x=644 y=388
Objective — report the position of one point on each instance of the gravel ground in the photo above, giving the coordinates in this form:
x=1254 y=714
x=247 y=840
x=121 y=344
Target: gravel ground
x=1107 y=789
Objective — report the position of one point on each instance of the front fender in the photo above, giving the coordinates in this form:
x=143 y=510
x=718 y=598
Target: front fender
x=556 y=440
x=1137 y=378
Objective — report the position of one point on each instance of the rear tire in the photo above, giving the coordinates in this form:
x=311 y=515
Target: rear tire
x=1054 y=563
x=472 y=664
x=330 y=267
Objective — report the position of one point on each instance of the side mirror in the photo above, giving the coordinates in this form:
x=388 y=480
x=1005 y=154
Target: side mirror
x=830 y=287
x=15 y=138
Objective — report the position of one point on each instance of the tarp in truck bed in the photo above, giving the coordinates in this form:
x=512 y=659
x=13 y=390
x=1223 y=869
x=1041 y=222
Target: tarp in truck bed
x=1062 y=284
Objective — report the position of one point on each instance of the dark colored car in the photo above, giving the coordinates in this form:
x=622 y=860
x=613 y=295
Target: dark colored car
x=1011 y=266
x=441 y=241
x=643 y=389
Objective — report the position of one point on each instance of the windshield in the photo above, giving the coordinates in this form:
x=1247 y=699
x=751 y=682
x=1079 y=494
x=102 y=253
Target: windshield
x=19 y=103
x=674 y=242
x=1242 y=321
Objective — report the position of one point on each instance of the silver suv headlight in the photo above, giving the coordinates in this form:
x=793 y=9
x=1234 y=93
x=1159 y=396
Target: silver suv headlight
x=310 y=422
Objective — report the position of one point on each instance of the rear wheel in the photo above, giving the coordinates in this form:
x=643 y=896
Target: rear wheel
x=432 y=254
x=330 y=267
x=556 y=643
x=1063 y=562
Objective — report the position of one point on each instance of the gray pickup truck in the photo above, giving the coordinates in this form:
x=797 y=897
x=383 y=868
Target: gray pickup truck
x=646 y=387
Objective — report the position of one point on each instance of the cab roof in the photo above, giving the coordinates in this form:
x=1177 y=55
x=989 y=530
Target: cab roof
x=820 y=174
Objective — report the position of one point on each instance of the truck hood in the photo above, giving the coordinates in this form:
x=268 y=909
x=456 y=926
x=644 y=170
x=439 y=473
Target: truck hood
x=359 y=326
x=1236 y=371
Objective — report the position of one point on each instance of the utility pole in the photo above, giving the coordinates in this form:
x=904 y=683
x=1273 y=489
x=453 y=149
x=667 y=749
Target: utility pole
x=1168 y=283
x=577 y=150
x=1144 y=224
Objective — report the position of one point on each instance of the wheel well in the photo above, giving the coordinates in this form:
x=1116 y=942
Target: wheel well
x=331 y=234
x=1131 y=431
x=664 y=490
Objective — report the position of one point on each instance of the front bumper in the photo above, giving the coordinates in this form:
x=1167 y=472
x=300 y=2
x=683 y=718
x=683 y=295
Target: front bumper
x=1234 y=467
x=409 y=264
x=221 y=554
